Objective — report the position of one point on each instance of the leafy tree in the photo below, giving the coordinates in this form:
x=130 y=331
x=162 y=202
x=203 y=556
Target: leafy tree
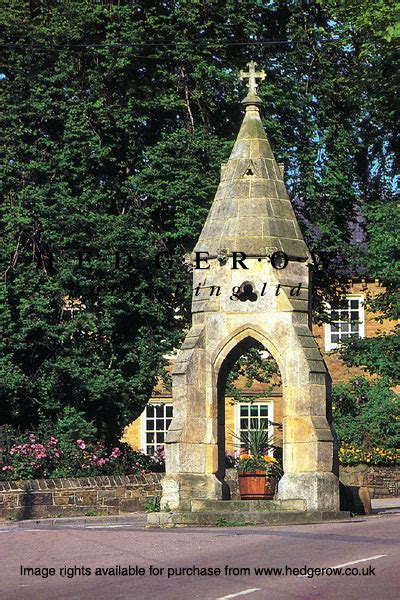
x=116 y=117
x=250 y=367
x=366 y=414
x=378 y=355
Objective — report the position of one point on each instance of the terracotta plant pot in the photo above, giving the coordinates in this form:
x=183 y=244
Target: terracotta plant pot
x=254 y=486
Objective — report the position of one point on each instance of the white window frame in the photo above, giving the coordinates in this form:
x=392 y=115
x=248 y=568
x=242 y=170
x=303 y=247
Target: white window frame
x=143 y=430
x=329 y=345
x=270 y=405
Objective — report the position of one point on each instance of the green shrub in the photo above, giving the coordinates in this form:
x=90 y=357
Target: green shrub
x=366 y=414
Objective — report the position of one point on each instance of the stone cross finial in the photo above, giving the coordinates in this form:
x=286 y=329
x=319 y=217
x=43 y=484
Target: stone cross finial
x=252 y=75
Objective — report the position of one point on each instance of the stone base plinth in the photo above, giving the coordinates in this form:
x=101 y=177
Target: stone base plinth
x=234 y=506
x=178 y=490
x=319 y=490
x=232 y=519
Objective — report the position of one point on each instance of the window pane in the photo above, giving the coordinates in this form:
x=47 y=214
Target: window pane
x=243 y=423
x=354 y=303
x=355 y=327
x=344 y=327
x=345 y=336
x=354 y=315
x=264 y=424
x=157 y=425
x=334 y=338
x=264 y=410
x=334 y=327
x=244 y=410
x=254 y=410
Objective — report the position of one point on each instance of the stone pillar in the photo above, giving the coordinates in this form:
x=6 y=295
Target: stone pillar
x=192 y=445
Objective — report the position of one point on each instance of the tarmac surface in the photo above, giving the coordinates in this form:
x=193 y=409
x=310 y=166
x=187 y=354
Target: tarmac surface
x=117 y=558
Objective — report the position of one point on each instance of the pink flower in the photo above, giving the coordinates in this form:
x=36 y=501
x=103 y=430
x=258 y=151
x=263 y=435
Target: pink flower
x=54 y=440
x=7 y=468
x=81 y=444
x=116 y=452
x=32 y=437
x=98 y=461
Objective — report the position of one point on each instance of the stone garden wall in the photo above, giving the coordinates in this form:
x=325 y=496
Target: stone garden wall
x=89 y=496
x=380 y=481
x=80 y=496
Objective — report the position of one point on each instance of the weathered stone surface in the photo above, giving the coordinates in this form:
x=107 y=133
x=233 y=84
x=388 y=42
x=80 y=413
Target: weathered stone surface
x=85 y=497
x=212 y=519
x=318 y=489
x=131 y=505
x=246 y=505
x=77 y=496
x=253 y=175
x=35 y=498
x=107 y=494
x=179 y=489
x=63 y=498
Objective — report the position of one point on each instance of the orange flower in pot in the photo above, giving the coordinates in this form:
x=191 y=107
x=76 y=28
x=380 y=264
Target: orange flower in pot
x=258 y=472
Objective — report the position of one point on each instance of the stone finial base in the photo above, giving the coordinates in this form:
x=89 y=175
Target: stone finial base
x=319 y=489
x=180 y=489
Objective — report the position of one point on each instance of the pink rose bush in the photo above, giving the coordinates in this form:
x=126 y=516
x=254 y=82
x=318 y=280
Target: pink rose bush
x=51 y=458
x=57 y=450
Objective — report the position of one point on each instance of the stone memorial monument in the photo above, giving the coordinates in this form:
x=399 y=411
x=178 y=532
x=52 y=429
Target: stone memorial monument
x=251 y=287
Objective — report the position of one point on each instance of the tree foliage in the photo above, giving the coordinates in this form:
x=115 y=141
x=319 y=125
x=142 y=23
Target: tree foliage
x=379 y=355
x=116 y=117
x=366 y=414
x=250 y=367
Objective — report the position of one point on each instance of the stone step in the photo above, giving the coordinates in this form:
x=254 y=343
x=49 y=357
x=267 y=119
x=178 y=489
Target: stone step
x=229 y=519
x=217 y=506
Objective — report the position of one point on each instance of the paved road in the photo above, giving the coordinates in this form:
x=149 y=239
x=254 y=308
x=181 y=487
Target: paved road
x=360 y=544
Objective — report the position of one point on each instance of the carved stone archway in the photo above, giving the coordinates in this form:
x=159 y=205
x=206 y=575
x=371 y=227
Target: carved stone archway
x=226 y=356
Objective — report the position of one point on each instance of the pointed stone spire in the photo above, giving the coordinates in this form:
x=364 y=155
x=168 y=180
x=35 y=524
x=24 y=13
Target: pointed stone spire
x=251 y=211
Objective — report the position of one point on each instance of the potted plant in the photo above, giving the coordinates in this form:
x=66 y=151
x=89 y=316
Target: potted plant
x=258 y=472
